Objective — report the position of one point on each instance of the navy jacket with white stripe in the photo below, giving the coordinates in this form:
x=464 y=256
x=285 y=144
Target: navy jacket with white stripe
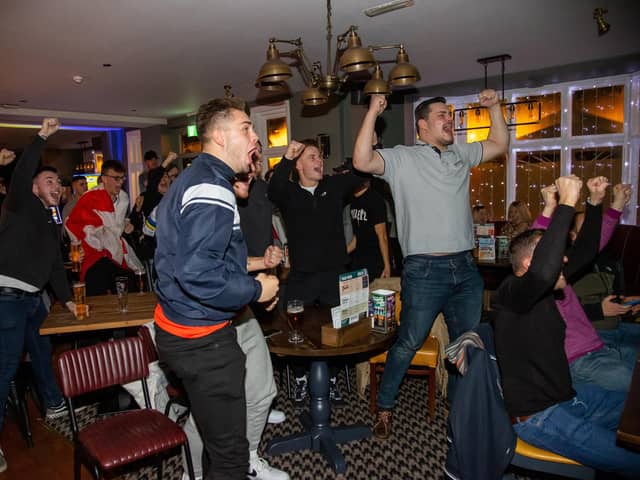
x=201 y=257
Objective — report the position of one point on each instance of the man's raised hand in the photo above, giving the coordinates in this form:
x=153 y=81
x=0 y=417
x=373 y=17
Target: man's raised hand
x=597 y=189
x=569 y=190
x=377 y=104
x=49 y=127
x=6 y=157
x=294 y=149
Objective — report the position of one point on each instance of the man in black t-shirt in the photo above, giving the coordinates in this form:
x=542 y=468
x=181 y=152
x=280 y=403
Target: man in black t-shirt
x=368 y=217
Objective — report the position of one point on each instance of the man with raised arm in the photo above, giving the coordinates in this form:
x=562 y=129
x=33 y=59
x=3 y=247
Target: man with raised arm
x=31 y=258
x=202 y=281
x=577 y=421
x=430 y=186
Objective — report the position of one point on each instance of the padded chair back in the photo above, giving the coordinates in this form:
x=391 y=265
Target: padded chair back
x=147 y=344
x=102 y=365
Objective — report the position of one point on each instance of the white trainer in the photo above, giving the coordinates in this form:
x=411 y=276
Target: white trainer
x=3 y=462
x=276 y=416
x=259 y=469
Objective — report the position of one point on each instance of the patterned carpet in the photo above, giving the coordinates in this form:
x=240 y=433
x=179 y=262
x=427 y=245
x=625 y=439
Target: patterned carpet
x=416 y=449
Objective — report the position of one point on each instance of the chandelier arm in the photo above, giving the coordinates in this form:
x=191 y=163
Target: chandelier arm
x=296 y=41
x=373 y=48
x=305 y=68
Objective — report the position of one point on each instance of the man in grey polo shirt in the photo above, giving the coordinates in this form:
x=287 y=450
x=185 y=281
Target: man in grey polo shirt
x=430 y=186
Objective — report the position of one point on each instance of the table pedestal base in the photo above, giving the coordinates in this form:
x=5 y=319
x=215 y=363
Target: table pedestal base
x=318 y=433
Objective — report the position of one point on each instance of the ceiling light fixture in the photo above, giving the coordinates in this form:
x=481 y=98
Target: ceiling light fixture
x=598 y=16
x=387 y=7
x=350 y=57
x=509 y=109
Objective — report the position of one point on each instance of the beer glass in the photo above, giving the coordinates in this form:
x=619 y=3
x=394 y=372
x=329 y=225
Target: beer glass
x=82 y=311
x=295 y=313
x=79 y=293
x=122 y=290
x=140 y=279
x=74 y=256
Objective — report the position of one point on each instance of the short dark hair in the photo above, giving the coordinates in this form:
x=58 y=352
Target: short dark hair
x=478 y=207
x=150 y=155
x=45 y=168
x=423 y=109
x=75 y=178
x=114 y=165
x=523 y=245
x=215 y=110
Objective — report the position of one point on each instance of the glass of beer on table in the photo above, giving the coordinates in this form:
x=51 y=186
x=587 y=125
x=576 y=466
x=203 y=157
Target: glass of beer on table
x=74 y=255
x=295 y=313
x=140 y=279
x=122 y=290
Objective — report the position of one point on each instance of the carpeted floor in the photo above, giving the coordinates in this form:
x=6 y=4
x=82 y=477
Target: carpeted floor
x=416 y=450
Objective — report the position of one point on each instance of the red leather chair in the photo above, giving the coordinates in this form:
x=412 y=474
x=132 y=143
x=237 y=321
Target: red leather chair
x=110 y=444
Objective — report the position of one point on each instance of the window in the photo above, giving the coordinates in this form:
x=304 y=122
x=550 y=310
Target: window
x=487 y=184
x=534 y=170
x=549 y=124
x=598 y=111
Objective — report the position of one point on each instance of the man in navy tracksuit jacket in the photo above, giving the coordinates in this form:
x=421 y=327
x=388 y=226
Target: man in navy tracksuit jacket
x=202 y=281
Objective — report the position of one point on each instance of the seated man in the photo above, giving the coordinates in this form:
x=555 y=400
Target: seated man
x=98 y=221
x=590 y=360
x=530 y=333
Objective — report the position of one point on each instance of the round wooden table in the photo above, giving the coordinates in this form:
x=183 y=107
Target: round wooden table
x=318 y=433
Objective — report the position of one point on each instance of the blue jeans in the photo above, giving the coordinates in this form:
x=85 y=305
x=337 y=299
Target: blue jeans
x=624 y=334
x=20 y=320
x=431 y=284
x=608 y=367
x=583 y=429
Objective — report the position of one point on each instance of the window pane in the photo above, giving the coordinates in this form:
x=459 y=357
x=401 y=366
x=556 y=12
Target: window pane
x=476 y=118
x=487 y=184
x=549 y=124
x=587 y=163
x=598 y=111
x=277 y=132
x=534 y=170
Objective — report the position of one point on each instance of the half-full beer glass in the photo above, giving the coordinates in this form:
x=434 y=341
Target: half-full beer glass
x=295 y=313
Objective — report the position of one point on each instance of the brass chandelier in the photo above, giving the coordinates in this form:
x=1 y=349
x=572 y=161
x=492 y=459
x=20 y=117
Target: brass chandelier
x=350 y=57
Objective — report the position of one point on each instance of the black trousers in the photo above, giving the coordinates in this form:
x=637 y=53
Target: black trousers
x=313 y=288
x=212 y=370
x=101 y=277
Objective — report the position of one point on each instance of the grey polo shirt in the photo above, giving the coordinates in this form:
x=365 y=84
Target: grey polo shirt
x=431 y=194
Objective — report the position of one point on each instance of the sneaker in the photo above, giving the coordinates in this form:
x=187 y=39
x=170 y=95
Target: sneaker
x=276 y=416
x=334 y=392
x=3 y=462
x=300 y=391
x=56 y=411
x=382 y=427
x=261 y=470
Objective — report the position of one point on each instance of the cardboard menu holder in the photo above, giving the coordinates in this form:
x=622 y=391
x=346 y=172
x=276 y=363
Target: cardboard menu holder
x=338 y=337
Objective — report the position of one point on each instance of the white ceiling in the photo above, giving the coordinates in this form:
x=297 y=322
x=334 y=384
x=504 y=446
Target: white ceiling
x=169 y=56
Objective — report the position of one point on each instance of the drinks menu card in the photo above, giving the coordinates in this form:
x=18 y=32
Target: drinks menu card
x=354 y=298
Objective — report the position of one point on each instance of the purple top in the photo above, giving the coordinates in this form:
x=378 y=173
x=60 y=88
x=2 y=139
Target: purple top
x=580 y=337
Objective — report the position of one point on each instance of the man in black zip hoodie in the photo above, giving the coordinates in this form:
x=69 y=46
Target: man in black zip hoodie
x=312 y=205
x=31 y=258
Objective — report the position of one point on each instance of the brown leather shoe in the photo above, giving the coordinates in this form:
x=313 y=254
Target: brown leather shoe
x=382 y=427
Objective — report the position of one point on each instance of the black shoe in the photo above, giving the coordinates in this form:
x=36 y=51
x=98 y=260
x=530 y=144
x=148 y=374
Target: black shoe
x=334 y=393
x=300 y=390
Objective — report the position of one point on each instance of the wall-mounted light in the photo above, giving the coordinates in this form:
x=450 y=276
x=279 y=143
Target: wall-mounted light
x=598 y=16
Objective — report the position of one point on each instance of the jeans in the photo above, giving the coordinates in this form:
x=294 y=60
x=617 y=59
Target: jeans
x=20 y=320
x=624 y=334
x=431 y=284
x=212 y=370
x=583 y=429
x=608 y=367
